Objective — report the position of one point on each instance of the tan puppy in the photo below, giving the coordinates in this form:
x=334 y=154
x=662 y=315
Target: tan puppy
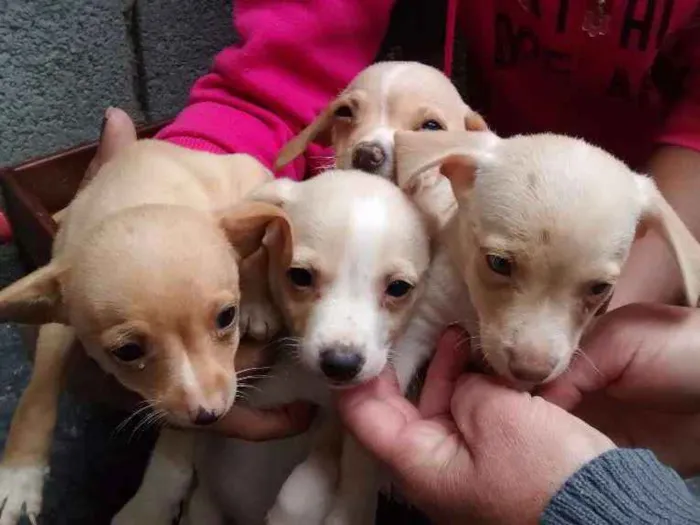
x=384 y=98
x=145 y=274
x=544 y=226
x=360 y=251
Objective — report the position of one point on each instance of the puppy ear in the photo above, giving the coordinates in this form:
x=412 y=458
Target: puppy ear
x=247 y=224
x=36 y=298
x=474 y=122
x=657 y=214
x=458 y=154
x=279 y=192
x=319 y=130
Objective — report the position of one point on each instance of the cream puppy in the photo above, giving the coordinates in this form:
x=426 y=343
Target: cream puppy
x=543 y=228
x=145 y=274
x=384 y=98
x=360 y=251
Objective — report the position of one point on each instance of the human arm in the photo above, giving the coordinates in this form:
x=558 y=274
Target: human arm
x=651 y=274
x=625 y=487
x=291 y=59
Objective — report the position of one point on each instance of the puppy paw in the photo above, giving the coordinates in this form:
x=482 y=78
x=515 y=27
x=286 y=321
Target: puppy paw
x=21 y=493
x=260 y=320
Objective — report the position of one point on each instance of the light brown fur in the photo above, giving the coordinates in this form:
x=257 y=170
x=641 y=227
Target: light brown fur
x=147 y=254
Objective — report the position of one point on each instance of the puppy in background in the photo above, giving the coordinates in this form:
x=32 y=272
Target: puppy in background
x=384 y=98
x=145 y=274
x=543 y=228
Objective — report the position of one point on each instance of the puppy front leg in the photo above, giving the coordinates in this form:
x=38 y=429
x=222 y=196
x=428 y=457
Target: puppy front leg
x=260 y=319
x=202 y=510
x=307 y=494
x=165 y=483
x=356 y=498
x=25 y=460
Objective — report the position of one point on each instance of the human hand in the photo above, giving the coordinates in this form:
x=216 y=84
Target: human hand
x=639 y=382
x=117 y=132
x=473 y=450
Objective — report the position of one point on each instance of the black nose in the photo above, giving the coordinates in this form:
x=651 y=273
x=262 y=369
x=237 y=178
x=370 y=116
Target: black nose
x=205 y=417
x=369 y=157
x=341 y=364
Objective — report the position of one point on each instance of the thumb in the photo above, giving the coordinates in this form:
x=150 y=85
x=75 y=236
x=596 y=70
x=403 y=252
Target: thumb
x=377 y=414
x=118 y=133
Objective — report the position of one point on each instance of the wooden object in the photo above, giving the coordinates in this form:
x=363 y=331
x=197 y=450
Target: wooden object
x=37 y=189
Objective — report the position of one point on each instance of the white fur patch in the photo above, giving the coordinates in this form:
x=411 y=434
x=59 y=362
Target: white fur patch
x=349 y=313
x=191 y=384
x=385 y=90
x=21 y=493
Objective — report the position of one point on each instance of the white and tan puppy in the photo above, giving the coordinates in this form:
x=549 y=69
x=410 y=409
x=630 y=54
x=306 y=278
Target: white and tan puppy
x=360 y=252
x=145 y=274
x=384 y=98
x=543 y=228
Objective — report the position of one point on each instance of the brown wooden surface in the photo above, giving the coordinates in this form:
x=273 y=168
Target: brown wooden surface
x=37 y=189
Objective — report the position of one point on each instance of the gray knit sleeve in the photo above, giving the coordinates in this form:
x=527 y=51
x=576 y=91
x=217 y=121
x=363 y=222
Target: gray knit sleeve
x=623 y=487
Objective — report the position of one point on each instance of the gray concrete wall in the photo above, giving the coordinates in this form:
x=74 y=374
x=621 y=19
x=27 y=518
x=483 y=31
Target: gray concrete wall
x=62 y=62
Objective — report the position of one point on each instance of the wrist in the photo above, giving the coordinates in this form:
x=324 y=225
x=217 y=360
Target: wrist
x=622 y=486
x=650 y=275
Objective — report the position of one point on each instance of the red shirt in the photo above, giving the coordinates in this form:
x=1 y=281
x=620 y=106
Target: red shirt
x=634 y=86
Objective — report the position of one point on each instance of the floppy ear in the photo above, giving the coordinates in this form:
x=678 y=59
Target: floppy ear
x=474 y=122
x=658 y=214
x=458 y=154
x=279 y=192
x=319 y=130
x=247 y=224
x=36 y=298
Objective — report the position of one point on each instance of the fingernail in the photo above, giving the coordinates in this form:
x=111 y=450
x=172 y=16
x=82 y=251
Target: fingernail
x=106 y=116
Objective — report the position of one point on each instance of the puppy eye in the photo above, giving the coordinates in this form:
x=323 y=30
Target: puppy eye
x=300 y=277
x=128 y=352
x=499 y=265
x=343 y=111
x=432 y=125
x=398 y=288
x=225 y=318
x=600 y=288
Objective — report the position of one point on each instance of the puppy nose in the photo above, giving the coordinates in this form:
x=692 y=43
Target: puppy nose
x=368 y=157
x=341 y=364
x=528 y=373
x=528 y=367
x=205 y=417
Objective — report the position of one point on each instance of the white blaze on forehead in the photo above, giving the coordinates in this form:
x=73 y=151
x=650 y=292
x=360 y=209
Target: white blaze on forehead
x=191 y=384
x=349 y=312
x=368 y=225
x=382 y=133
x=385 y=89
